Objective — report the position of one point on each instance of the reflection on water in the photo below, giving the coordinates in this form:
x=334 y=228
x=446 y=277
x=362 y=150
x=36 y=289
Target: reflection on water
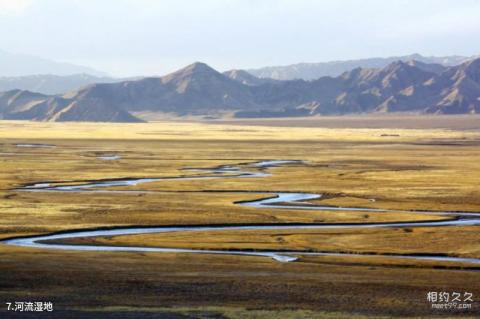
x=35 y=145
x=109 y=157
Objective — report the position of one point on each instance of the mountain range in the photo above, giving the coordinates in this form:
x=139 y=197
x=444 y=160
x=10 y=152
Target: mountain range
x=49 y=77
x=199 y=90
x=312 y=71
x=13 y=65
x=51 y=84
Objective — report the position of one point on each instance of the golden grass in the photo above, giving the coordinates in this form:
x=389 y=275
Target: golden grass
x=420 y=169
x=169 y=130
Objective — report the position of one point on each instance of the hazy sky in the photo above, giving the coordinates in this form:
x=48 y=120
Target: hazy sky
x=132 y=37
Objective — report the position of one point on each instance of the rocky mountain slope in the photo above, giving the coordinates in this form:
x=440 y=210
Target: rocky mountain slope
x=26 y=105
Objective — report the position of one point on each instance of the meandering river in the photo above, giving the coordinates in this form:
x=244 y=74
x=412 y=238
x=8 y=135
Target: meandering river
x=271 y=200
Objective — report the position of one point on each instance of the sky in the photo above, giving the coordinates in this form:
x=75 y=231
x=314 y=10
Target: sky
x=154 y=37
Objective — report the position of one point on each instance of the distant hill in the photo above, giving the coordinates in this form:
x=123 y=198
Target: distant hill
x=22 y=65
x=51 y=84
x=246 y=78
x=199 y=90
x=25 y=105
x=311 y=71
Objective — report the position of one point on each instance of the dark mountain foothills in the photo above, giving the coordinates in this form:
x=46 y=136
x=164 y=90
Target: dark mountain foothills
x=199 y=90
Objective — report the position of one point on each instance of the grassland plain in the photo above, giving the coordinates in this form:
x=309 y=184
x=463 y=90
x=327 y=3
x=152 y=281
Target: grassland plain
x=401 y=169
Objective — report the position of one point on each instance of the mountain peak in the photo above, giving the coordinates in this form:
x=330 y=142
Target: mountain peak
x=198 y=67
x=412 y=67
x=416 y=56
x=246 y=78
x=397 y=64
x=428 y=67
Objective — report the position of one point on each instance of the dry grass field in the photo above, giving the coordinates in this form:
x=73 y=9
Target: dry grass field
x=389 y=168
x=373 y=121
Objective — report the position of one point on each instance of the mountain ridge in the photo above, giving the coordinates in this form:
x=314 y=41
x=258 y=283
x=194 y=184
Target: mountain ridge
x=13 y=65
x=51 y=84
x=310 y=71
x=199 y=90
